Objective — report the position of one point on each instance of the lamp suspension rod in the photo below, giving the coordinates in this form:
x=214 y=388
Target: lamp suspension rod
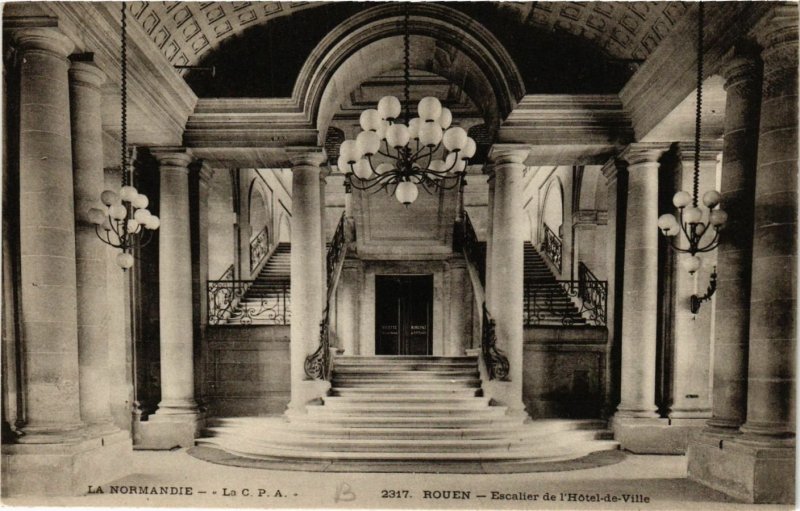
x=407 y=64
x=699 y=107
x=124 y=100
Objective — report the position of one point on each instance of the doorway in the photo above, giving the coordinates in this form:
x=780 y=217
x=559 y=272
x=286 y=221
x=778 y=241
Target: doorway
x=403 y=310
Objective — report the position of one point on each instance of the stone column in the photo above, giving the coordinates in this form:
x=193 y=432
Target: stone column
x=175 y=300
x=773 y=302
x=693 y=333
x=640 y=291
x=323 y=236
x=489 y=227
x=47 y=239
x=758 y=466
x=306 y=271
x=505 y=272
x=611 y=172
x=742 y=107
x=347 y=307
x=460 y=309
x=87 y=160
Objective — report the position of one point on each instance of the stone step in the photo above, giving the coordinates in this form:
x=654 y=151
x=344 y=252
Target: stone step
x=528 y=453
x=397 y=373
x=402 y=358
x=402 y=366
x=418 y=410
x=370 y=420
x=378 y=391
x=398 y=399
x=415 y=385
x=418 y=445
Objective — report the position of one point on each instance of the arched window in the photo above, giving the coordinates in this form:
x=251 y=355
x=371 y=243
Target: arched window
x=553 y=208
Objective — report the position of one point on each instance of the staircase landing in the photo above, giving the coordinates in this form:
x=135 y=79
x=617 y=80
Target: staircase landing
x=397 y=410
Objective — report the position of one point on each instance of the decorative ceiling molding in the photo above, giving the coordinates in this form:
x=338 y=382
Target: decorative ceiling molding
x=186 y=31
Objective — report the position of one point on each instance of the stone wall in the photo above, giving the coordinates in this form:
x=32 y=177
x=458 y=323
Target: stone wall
x=564 y=372
x=247 y=372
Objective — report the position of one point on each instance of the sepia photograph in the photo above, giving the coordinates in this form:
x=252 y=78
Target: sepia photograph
x=399 y=254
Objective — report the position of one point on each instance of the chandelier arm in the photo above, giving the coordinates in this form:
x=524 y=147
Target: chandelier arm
x=149 y=235
x=107 y=239
x=712 y=244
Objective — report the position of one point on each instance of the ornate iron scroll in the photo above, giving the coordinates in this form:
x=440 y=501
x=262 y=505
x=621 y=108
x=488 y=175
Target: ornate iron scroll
x=551 y=247
x=494 y=358
x=259 y=248
x=318 y=365
x=230 y=303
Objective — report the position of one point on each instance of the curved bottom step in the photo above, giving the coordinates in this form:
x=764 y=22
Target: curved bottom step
x=267 y=438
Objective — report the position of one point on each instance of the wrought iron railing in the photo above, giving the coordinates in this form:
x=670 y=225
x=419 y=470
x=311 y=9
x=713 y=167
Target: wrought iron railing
x=566 y=302
x=229 y=273
x=318 y=365
x=335 y=251
x=228 y=303
x=551 y=247
x=494 y=358
x=259 y=248
x=473 y=249
x=466 y=240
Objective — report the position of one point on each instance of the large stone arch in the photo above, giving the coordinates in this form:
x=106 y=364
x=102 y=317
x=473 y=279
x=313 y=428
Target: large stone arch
x=463 y=51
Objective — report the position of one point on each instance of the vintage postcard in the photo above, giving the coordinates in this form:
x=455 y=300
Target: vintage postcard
x=399 y=255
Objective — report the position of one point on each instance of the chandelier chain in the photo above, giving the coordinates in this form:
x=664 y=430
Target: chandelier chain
x=124 y=100
x=407 y=65
x=699 y=108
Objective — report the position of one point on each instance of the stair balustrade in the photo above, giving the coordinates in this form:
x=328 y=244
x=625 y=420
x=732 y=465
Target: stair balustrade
x=551 y=247
x=579 y=302
x=466 y=241
x=318 y=365
x=259 y=249
x=227 y=303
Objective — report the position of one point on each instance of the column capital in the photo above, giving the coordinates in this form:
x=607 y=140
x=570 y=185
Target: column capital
x=743 y=69
x=84 y=71
x=306 y=156
x=173 y=158
x=778 y=26
x=501 y=154
x=709 y=150
x=39 y=33
x=204 y=171
x=612 y=168
x=642 y=153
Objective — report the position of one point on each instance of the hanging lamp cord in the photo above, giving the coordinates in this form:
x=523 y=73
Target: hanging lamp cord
x=699 y=110
x=407 y=64
x=124 y=100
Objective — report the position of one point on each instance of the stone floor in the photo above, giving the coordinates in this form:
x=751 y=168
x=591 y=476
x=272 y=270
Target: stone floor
x=648 y=482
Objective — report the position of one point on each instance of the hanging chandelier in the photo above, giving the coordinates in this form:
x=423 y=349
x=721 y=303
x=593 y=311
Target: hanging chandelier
x=125 y=218
x=693 y=221
x=399 y=157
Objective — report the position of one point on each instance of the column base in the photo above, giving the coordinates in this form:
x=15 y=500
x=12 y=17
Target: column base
x=754 y=474
x=164 y=431
x=305 y=393
x=60 y=469
x=655 y=436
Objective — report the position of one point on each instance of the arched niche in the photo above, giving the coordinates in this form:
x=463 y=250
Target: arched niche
x=260 y=213
x=553 y=207
x=284 y=228
x=593 y=190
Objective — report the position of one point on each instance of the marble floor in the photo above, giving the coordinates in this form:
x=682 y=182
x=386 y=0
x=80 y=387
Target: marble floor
x=637 y=482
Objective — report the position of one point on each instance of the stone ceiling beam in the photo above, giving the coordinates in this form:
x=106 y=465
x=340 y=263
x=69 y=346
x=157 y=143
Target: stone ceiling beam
x=669 y=74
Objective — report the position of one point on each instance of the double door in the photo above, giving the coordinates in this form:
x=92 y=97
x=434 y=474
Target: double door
x=404 y=306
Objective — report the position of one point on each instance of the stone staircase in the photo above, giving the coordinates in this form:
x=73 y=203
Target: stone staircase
x=553 y=305
x=269 y=298
x=393 y=409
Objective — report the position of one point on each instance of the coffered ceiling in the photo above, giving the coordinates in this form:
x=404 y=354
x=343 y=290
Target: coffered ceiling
x=186 y=32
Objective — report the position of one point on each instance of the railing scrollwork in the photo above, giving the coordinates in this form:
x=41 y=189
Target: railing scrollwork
x=551 y=247
x=227 y=303
x=259 y=249
x=494 y=358
x=318 y=365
